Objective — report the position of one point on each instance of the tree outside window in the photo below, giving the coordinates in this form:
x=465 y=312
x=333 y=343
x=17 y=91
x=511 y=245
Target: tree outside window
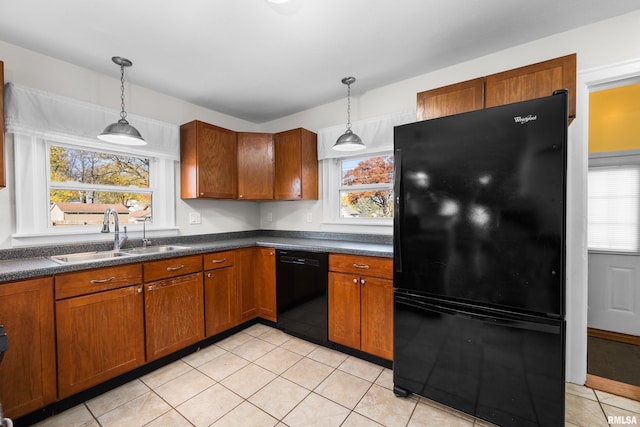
x=83 y=183
x=366 y=189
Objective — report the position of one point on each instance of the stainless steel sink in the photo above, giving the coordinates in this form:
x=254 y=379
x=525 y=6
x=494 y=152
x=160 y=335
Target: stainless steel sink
x=87 y=257
x=154 y=249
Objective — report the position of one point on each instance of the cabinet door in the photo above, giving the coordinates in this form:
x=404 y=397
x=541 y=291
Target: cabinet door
x=220 y=300
x=296 y=165
x=174 y=314
x=533 y=81
x=255 y=166
x=344 y=309
x=28 y=369
x=2 y=173
x=99 y=336
x=453 y=99
x=208 y=166
x=245 y=270
x=377 y=316
x=265 y=282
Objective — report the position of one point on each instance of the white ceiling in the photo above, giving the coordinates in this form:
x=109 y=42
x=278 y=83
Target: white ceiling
x=259 y=61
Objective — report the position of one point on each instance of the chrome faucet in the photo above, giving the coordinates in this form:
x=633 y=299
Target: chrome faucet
x=145 y=241
x=117 y=241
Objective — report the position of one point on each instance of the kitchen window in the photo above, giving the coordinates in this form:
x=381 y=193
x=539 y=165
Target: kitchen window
x=359 y=190
x=65 y=177
x=366 y=187
x=83 y=183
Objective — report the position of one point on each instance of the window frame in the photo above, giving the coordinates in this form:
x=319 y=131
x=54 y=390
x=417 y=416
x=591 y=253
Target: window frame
x=332 y=186
x=613 y=159
x=31 y=165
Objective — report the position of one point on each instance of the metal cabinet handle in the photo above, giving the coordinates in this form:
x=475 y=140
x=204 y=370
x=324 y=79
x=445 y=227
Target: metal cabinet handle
x=209 y=275
x=362 y=281
x=181 y=266
x=218 y=261
x=355 y=281
x=98 y=281
x=361 y=266
x=139 y=290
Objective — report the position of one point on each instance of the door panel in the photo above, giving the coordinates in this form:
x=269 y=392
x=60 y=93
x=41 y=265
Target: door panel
x=614 y=293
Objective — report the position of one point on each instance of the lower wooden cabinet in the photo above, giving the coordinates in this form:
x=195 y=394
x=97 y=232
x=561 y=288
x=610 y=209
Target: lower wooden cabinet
x=265 y=282
x=99 y=336
x=28 y=368
x=361 y=304
x=99 y=325
x=220 y=294
x=247 y=308
x=174 y=314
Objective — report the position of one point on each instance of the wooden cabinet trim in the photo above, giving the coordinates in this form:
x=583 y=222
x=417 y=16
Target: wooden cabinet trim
x=218 y=260
x=96 y=280
x=537 y=80
x=171 y=267
x=452 y=99
x=361 y=265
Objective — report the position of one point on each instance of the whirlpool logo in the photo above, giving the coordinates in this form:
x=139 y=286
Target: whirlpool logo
x=524 y=120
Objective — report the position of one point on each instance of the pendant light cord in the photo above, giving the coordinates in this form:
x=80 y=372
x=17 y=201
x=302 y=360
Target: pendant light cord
x=349 y=106
x=123 y=113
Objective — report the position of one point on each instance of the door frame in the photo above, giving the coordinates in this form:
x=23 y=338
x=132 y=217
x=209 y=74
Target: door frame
x=576 y=245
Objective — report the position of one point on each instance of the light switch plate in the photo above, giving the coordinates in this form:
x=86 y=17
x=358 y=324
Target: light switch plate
x=195 y=218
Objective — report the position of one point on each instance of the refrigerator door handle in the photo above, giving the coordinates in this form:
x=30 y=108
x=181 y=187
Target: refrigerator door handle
x=397 y=226
x=486 y=316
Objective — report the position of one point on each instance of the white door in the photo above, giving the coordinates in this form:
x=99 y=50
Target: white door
x=614 y=293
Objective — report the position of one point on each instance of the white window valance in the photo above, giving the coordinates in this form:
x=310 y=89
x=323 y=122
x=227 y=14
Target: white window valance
x=376 y=133
x=46 y=115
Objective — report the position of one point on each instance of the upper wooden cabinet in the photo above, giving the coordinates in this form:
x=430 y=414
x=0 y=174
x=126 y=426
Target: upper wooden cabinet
x=520 y=84
x=3 y=183
x=255 y=166
x=208 y=166
x=533 y=81
x=453 y=99
x=296 y=165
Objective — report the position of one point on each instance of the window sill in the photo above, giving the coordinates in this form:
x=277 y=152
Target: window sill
x=369 y=227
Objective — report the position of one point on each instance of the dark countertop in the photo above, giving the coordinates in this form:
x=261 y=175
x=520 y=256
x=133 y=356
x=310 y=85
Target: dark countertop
x=25 y=263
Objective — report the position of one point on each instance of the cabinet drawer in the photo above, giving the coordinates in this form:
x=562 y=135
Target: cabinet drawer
x=365 y=265
x=219 y=260
x=96 y=280
x=163 y=269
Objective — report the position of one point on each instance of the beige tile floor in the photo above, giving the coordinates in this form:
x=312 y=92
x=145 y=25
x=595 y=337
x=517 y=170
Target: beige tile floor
x=264 y=377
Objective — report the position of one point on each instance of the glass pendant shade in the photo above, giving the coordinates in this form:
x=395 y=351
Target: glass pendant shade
x=349 y=141
x=121 y=132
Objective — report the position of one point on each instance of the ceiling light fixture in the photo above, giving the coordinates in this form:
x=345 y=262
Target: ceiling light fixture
x=349 y=141
x=121 y=132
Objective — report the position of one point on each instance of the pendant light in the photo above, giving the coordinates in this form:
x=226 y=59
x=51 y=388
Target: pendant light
x=121 y=132
x=349 y=141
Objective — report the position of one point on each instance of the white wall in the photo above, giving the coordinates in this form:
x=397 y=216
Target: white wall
x=32 y=69
x=608 y=42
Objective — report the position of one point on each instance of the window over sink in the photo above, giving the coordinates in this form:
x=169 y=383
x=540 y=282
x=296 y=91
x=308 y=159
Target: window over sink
x=83 y=183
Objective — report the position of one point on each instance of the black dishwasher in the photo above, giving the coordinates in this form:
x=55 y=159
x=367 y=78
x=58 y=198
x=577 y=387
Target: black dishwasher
x=301 y=294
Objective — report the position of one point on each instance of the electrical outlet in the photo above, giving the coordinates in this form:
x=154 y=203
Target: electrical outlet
x=195 y=218
x=309 y=217
x=269 y=216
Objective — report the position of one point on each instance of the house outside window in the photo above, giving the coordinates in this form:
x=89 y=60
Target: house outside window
x=84 y=183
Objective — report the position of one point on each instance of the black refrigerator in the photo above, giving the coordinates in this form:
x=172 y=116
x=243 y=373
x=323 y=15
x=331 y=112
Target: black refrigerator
x=479 y=260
